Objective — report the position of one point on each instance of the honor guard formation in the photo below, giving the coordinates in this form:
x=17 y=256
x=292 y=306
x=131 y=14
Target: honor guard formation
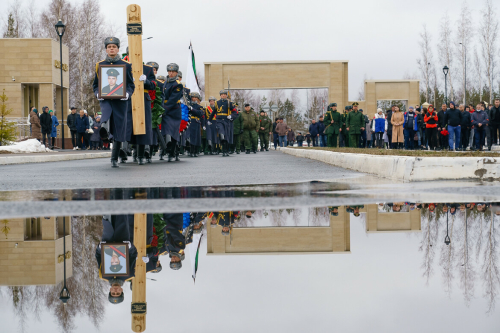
x=176 y=123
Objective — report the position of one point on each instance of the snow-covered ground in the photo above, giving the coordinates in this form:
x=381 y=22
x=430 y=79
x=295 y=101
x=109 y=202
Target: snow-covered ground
x=28 y=146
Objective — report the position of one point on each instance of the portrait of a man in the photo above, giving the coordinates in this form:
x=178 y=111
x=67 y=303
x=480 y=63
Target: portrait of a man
x=112 y=84
x=115 y=259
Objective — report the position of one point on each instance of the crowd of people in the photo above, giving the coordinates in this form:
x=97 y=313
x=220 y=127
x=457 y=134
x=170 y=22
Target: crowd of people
x=453 y=128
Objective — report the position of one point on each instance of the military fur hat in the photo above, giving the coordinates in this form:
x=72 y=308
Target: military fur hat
x=196 y=95
x=176 y=265
x=355 y=104
x=179 y=73
x=111 y=40
x=116 y=300
x=173 y=68
x=225 y=233
x=198 y=231
x=153 y=64
x=158 y=269
x=161 y=77
x=211 y=98
x=223 y=92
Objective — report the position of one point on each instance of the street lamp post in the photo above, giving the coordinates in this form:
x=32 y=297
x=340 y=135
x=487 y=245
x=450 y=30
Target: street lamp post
x=465 y=72
x=64 y=295
x=60 y=28
x=447 y=239
x=445 y=71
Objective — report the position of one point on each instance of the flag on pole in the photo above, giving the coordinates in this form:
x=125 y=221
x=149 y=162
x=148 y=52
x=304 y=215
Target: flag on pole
x=194 y=251
x=191 y=77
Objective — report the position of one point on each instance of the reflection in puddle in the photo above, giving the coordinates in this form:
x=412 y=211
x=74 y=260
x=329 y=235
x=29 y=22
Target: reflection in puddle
x=458 y=242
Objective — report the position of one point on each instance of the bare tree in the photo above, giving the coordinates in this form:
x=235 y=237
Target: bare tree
x=446 y=49
x=465 y=31
x=478 y=71
x=447 y=260
x=32 y=21
x=488 y=32
x=490 y=267
x=425 y=62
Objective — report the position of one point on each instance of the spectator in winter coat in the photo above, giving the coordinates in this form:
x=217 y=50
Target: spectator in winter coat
x=308 y=139
x=495 y=122
x=322 y=135
x=95 y=138
x=479 y=121
x=36 y=129
x=379 y=126
x=300 y=139
x=282 y=130
x=453 y=119
x=410 y=127
x=431 y=124
x=46 y=124
x=71 y=122
x=314 y=130
x=82 y=127
x=290 y=137
x=442 y=139
x=53 y=133
x=397 y=121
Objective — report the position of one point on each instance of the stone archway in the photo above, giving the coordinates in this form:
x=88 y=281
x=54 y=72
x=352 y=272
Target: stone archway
x=264 y=75
x=376 y=90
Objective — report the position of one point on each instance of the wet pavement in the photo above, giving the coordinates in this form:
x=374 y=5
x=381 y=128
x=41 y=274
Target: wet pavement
x=282 y=250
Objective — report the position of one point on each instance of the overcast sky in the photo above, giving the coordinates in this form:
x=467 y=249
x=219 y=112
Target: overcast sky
x=378 y=38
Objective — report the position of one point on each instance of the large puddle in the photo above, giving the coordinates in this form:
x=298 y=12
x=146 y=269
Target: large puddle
x=249 y=258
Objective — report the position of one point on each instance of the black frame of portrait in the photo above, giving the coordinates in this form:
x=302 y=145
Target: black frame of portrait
x=124 y=73
x=127 y=260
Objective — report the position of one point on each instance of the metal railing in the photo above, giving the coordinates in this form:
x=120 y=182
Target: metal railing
x=22 y=128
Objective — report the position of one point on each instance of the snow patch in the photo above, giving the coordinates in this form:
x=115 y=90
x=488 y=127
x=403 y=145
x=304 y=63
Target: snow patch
x=28 y=146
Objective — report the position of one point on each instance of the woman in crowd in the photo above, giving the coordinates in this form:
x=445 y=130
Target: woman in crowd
x=431 y=120
x=379 y=127
x=397 y=121
x=36 y=128
x=53 y=133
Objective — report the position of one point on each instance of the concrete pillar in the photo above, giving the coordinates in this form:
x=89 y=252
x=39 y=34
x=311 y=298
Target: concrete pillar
x=46 y=96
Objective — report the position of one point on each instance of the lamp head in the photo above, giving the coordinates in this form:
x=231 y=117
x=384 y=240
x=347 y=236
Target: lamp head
x=60 y=28
x=445 y=70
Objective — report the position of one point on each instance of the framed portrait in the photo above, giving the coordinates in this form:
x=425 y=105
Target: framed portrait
x=114 y=259
x=112 y=81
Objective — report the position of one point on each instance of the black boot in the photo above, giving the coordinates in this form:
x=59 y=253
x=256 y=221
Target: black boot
x=196 y=151
x=140 y=154
x=248 y=151
x=115 y=153
x=171 y=151
x=122 y=155
x=176 y=152
x=134 y=154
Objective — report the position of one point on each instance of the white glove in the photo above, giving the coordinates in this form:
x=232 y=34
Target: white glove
x=142 y=77
x=99 y=99
x=229 y=117
x=204 y=128
x=124 y=99
x=129 y=245
x=145 y=259
x=209 y=123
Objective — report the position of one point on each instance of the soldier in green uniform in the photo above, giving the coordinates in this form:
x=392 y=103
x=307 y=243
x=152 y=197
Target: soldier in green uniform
x=355 y=123
x=250 y=126
x=237 y=134
x=265 y=129
x=332 y=122
x=344 y=134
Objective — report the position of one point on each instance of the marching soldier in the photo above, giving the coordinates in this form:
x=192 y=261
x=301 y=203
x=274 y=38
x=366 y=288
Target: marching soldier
x=174 y=240
x=225 y=113
x=171 y=120
x=355 y=123
x=237 y=135
x=185 y=106
x=114 y=111
x=143 y=140
x=265 y=129
x=332 y=123
x=196 y=124
x=250 y=127
x=211 y=130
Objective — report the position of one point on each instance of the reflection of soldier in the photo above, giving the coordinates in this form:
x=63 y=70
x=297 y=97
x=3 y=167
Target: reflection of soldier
x=334 y=211
x=112 y=89
x=174 y=241
x=115 y=230
x=225 y=219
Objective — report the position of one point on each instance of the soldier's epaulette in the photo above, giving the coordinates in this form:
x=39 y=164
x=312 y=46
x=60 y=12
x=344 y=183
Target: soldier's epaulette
x=97 y=66
x=178 y=82
x=148 y=65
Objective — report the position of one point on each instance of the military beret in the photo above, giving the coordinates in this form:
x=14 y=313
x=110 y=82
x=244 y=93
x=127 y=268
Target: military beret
x=355 y=104
x=360 y=110
x=112 y=72
x=173 y=67
x=111 y=40
x=179 y=73
x=196 y=95
x=246 y=104
x=223 y=92
x=117 y=299
x=153 y=64
x=211 y=98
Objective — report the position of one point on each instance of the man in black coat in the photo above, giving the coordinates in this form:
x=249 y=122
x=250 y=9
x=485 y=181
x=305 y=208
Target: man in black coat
x=114 y=111
x=465 y=125
x=46 y=124
x=71 y=122
x=494 y=122
x=389 y=124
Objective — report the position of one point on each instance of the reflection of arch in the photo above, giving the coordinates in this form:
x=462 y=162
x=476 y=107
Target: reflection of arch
x=279 y=75
x=385 y=221
x=290 y=240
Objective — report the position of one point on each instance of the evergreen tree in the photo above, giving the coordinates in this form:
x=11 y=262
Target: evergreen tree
x=7 y=128
x=11 y=30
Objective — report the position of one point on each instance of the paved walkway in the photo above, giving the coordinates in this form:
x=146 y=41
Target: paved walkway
x=261 y=168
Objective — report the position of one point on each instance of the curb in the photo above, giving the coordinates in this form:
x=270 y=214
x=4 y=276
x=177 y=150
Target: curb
x=40 y=158
x=406 y=168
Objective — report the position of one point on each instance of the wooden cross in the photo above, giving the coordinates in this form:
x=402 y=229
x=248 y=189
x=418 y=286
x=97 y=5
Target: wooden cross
x=134 y=32
x=139 y=281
